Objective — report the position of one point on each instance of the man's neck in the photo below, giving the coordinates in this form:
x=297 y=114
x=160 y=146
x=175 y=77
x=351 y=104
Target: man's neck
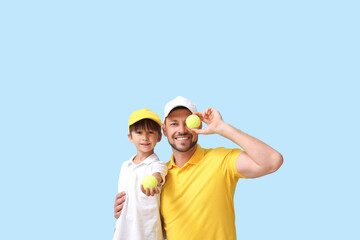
x=180 y=158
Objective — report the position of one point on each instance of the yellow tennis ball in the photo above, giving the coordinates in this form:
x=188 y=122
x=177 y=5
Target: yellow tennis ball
x=149 y=181
x=193 y=121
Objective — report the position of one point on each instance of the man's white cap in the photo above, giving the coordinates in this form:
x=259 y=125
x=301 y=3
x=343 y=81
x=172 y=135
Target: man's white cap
x=179 y=102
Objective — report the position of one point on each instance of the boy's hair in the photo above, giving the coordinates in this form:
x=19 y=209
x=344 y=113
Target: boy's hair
x=145 y=124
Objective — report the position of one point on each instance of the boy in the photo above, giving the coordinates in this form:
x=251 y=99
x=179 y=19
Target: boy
x=140 y=217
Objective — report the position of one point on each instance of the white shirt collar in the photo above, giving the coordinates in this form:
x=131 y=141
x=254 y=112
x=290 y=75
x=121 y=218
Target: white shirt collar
x=152 y=158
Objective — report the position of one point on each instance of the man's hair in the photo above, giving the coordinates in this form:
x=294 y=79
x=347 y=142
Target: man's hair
x=145 y=124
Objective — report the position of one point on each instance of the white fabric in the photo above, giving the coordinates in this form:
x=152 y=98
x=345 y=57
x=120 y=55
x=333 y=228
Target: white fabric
x=179 y=102
x=140 y=217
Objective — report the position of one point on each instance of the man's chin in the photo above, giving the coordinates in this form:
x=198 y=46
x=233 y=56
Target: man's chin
x=183 y=148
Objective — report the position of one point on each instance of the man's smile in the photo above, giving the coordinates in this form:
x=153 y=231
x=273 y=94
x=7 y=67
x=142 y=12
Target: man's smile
x=183 y=138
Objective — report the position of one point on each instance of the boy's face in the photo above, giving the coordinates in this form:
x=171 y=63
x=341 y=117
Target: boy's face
x=145 y=140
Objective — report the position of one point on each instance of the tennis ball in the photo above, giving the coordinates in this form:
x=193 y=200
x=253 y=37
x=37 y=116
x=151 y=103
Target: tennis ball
x=149 y=181
x=193 y=121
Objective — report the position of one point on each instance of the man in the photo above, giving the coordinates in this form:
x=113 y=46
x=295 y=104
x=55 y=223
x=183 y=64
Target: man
x=197 y=197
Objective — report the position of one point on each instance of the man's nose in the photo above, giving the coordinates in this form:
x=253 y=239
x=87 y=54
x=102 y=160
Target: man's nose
x=182 y=128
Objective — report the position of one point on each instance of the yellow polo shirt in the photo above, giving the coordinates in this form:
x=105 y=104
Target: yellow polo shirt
x=197 y=199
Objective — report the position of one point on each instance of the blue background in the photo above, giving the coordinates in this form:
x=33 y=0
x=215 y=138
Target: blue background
x=71 y=73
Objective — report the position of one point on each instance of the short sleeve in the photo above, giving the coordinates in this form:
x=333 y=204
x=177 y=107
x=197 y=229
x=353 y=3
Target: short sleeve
x=230 y=162
x=161 y=168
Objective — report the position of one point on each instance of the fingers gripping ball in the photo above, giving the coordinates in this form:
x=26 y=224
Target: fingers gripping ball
x=149 y=182
x=193 y=121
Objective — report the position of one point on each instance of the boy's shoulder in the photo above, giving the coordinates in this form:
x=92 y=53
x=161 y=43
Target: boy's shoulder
x=127 y=162
x=152 y=158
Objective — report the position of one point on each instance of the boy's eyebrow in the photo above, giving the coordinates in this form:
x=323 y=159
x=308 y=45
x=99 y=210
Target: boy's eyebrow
x=146 y=129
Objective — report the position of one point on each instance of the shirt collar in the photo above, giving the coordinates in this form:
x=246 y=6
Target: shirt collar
x=152 y=158
x=195 y=158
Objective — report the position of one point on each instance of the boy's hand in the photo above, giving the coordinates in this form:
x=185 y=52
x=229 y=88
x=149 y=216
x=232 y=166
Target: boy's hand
x=155 y=190
x=119 y=204
x=150 y=191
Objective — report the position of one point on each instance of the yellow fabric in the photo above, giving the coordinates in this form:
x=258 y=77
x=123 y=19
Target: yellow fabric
x=197 y=199
x=142 y=114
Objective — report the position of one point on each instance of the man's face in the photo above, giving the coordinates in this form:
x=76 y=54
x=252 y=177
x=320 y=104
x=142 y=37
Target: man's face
x=180 y=137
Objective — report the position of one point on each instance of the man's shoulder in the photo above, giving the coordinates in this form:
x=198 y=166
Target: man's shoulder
x=169 y=163
x=217 y=150
x=220 y=151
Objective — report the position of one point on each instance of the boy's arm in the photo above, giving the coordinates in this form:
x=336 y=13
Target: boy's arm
x=161 y=170
x=158 y=177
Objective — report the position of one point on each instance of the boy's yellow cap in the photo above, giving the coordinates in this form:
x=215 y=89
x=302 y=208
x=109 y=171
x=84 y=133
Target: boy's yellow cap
x=142 y=114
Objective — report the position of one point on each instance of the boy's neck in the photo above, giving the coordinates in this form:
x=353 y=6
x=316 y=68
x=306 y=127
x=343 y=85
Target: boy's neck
x=140 y=157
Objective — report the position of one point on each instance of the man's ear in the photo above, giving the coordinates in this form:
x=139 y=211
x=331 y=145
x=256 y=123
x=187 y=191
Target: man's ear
x=130 y=138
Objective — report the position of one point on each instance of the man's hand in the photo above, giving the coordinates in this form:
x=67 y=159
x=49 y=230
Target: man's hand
x=213 y=120
x=119 y=204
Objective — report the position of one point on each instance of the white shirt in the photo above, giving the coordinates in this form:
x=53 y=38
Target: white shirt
x=140 y=216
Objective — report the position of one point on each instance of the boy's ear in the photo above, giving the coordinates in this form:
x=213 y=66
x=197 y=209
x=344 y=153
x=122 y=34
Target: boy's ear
x=130 y=138
x=164 y=129
x=159 y=137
